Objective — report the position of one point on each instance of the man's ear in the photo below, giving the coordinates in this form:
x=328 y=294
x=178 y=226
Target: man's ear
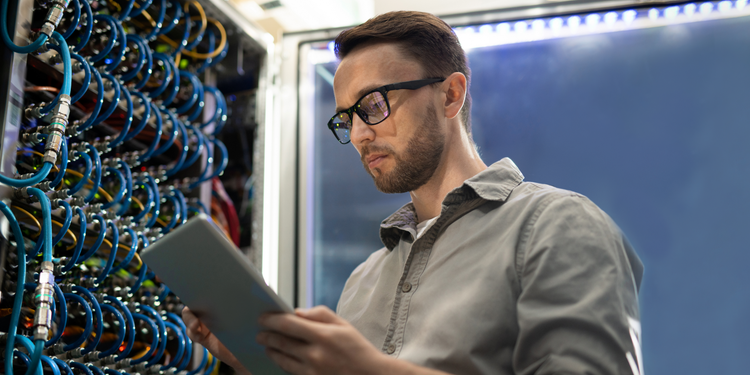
x=454 y=88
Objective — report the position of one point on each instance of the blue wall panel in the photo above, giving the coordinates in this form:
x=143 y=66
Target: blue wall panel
x=652 y=124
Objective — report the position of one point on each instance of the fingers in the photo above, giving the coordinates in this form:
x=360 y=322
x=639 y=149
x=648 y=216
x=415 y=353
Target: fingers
x=319 y=314
x=287 y=363
x=291 y=325
x=287 y=345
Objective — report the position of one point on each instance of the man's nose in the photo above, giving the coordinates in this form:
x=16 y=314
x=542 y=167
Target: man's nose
x=361 y=133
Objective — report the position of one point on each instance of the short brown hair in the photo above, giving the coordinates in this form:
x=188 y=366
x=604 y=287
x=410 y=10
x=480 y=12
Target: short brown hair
x=422 y=36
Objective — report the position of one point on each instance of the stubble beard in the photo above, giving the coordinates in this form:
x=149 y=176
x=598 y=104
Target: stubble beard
x=417 y=164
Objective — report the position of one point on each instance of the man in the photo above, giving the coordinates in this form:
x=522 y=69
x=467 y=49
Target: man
x=481 y=273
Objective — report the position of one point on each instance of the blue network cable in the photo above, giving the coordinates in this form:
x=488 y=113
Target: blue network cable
x=181 y=343
x=74 y=22
x=183 y=204
x=112 y=36
x=131 y=253
x=128 y=188
x=125 y=12
x=89 y=321
x=198 y=150
x=157 y=201
x=159 y=21
x=139 y=10
x=172 y=93
x=128 y=118
x=86 y=78
x=175 y=216
x=63 y=366
x=183 y=152
x=62 y=310
x=18 y=300
x=188 y=343
x=41 y=39
x=120 y=330
x=79 y=244
x=98 y=319
x=175 y=18
x=63 y=154
x=132 y=72
x=162 y=333
x=197 y=93
x=115 y=99
x=112 y=254
x=129 y=325
x=120 y=192
x=99 y=239
x=91 y=121
x=117 y=58
x=219 y=110
x=224 y=160
x=185 y=35
x=211 y=47
x=172 y=133
x=23 y=357
x=66 y=224
x=170 y=71
x=149 y=63
x=85 y=31
x=86 y=173
x=81 y=366
x=157 y=136
x=52 y=365
x=221 y=56
x=97 y=175
x=149 y=202
x=46 y=223
x=145 y=116
x=202 y=365
x=95 y=370
x=154 y=337
x=35 y=366
x=141 y=274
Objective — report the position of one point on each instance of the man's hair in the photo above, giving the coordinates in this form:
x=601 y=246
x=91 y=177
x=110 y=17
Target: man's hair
x=422 y=36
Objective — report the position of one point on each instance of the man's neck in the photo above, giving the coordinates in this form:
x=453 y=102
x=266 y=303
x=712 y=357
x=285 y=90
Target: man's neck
x=460 y=161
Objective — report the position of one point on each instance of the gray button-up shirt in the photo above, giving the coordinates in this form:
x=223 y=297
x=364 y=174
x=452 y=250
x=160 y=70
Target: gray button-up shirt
x=512 y=278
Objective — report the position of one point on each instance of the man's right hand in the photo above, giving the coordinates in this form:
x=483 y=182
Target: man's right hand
x=198 y=332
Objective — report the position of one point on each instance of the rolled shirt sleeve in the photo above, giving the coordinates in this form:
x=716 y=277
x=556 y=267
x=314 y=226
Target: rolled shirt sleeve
x=578 y=306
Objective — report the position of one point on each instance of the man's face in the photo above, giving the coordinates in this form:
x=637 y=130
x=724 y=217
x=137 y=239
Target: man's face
x=402 y=152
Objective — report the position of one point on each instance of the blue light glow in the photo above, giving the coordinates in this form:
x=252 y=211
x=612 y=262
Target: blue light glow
x=520 y=27
x=556 y=23
x=706 y=8
x=671 y=12
x=610 y=18
x=593 y=19
x=331 y=46
x=486 y=29
x=629 y=16
x=653 y=14
x=108 y=61
x=689 y=9
x=574 y=22
x=538 y=25
x=725 y=6
x=503 y=28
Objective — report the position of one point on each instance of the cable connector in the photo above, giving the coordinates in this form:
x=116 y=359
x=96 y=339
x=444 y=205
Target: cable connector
x=54 y=15
x=123 y=364
x=60 y=194
x=44 y=297
x=57 y=129
x=77 y=201
x=75 y=353
x=72 y=131
x=31 y=139
x=91 y=356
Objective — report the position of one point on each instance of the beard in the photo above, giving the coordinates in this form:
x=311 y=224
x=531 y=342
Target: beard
x=418 y=162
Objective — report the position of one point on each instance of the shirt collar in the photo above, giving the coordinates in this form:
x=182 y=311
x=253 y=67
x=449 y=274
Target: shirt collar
x=492 y=184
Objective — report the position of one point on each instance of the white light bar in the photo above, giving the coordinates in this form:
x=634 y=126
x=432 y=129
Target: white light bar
x=521 y=31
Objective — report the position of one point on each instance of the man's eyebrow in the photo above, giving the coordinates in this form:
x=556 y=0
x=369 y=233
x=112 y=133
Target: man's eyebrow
x=361 y=93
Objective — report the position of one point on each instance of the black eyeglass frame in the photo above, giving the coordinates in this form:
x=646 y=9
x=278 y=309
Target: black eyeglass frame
x=383 y=90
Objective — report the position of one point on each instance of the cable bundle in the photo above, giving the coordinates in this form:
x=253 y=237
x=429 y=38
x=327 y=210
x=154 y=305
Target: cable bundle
x=103 y=170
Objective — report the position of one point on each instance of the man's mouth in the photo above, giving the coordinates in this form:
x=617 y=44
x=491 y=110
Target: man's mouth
x=374 y=160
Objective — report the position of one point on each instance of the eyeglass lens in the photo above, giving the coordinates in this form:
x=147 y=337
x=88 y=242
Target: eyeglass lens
x=372 y=109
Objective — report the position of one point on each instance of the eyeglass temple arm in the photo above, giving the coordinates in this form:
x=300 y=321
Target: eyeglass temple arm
x=412 y=85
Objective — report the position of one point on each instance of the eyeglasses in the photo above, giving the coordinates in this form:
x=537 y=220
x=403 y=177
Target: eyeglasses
x=373 y=108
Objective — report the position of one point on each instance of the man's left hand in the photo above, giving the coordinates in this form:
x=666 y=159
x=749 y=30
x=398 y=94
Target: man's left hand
x=317 y=341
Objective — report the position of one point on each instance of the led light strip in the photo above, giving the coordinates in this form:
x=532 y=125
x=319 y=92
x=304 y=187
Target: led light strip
x=521 y=31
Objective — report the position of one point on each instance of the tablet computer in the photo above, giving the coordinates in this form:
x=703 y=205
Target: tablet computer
x=220 y=285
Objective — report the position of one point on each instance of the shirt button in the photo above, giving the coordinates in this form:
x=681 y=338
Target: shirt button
x=391 y=349
x=406 y=287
